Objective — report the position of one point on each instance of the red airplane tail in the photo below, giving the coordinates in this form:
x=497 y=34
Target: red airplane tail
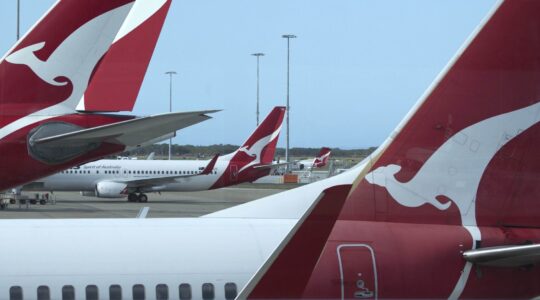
x=322 y=159
x=116 y=82
x=250 y=161
x=466 y=154
x=47 y=71
x=261 y=145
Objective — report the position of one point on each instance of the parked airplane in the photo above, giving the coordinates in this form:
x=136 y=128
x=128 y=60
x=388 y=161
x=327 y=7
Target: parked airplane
x=112 y=178
x=318 y=162
x=57 y=79
x=445 y=208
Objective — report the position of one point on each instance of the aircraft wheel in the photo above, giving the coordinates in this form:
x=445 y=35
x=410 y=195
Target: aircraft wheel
x=132 y=197
x=33 y=201
x=143 y=198
x=42 y=202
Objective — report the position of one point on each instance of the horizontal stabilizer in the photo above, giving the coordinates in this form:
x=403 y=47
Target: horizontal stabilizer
x=131 y=132
x=504 y=256
x=286 y=272
x=273 y=165
x=210 y=166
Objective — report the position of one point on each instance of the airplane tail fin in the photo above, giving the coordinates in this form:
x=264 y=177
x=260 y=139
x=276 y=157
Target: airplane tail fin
x=48 y=70
x=261 y=145
x=322 y=159
x=466 y=154
x=115 y=84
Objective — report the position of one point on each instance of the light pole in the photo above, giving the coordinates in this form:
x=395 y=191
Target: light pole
x=18 y=18
x=288 y=37
x=258 y=55
x=170 y=73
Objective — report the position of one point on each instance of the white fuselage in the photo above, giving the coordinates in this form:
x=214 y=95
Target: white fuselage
x=86 y=177
x=128 y=252
x=221 y=248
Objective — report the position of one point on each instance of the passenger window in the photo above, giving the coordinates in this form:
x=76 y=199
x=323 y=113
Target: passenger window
x=68 y=292
x=115 y=292
x=185 y=291
x=92 y=292
x=230 y=290
x=43 y=293
x=15 y=293
x=208 y=291
x=162 y=292
x=138 y=292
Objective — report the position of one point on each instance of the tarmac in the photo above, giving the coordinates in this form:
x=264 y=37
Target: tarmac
x=68 y=205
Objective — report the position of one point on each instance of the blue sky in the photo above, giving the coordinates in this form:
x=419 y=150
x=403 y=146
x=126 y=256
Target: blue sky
x=357 y=66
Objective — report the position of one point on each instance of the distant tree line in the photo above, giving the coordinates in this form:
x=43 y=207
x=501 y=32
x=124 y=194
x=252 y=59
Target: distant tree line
x=207 y=151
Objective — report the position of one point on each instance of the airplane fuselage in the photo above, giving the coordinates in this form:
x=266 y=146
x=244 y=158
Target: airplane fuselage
x=220 y=254
x=86 y=177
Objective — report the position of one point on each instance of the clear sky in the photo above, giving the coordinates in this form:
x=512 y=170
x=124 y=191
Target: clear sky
x=357 y=66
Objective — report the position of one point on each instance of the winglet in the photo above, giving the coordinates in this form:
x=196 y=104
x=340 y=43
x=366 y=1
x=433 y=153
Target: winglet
x=210 y=166
x=286 y=272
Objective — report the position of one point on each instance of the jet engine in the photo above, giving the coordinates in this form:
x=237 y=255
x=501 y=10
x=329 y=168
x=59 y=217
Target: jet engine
x=109 y=189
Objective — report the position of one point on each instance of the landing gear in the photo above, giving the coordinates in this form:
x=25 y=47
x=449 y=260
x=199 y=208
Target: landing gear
x=132 y=197
x=143 y=198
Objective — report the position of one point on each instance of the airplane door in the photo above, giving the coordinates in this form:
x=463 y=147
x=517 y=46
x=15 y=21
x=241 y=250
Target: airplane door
x=358 y=271
x=233 y=171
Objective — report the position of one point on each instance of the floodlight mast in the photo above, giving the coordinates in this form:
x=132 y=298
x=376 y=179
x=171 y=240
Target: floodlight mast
x=170 y=73
x=258 y=55
x=288 y=37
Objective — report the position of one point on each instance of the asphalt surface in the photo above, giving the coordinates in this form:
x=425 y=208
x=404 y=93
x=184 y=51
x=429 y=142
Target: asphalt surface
x=164 y=205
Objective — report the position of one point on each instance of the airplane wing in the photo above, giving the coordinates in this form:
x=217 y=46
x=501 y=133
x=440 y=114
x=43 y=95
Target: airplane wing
x=171 y=179
x=504 y=256
x=131 y=133
x=277 y=165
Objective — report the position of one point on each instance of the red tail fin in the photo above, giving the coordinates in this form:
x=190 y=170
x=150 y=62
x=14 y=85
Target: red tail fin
x=49 y=69
x=116 y=83
x=259 y=149
x=468 y=152
x=322 y=159
x=261 y=145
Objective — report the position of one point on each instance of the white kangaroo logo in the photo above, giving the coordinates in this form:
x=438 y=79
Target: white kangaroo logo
x=456 y=168
x=76 y=57
x=255 y=150
x=48 y=70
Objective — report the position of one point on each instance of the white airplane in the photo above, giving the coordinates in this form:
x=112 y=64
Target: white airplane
x=380 y=230
x=317 y=162
x=113 y=178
